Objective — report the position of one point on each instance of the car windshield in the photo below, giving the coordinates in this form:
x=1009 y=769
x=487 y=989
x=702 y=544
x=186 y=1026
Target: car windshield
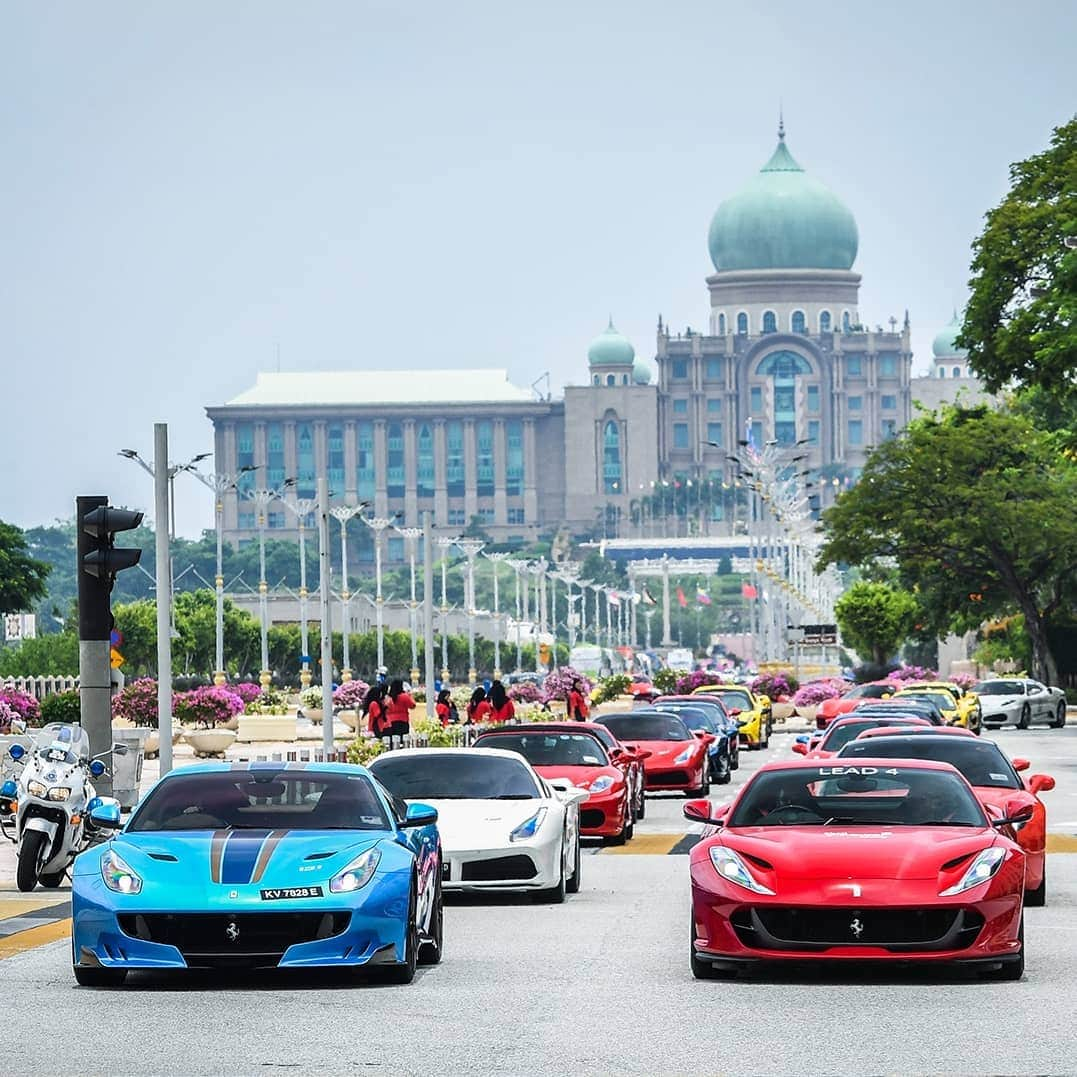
x=601 y=733
x=841 y=733
x=262 y=799
x=999 y=688
x=634 y=727
x=60 y=743
x=905 y=708
x=693 y=717
x=857 y=795
x=734 y=700
x=981 y=762
x=870 y=691
x=943 y=700
x=550 y=749
x=465 y=775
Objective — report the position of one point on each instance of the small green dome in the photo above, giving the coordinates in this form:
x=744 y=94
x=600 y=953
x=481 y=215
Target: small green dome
x=943 y=345
x=610 y=349
x=641 y=371
x=783 y=218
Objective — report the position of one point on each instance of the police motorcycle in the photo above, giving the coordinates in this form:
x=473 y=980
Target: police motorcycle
x=50 y=811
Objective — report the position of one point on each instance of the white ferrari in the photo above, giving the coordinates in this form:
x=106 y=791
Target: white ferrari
x=502 y=826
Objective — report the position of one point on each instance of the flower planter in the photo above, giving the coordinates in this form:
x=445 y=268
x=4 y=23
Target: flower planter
x=782 y=711
x=807 y=712
x=210 y=742
x=152 y=744
x=351 y=719
x=266 y=727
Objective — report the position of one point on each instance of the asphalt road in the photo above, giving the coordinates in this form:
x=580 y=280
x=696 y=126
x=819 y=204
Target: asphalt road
x=600 y=985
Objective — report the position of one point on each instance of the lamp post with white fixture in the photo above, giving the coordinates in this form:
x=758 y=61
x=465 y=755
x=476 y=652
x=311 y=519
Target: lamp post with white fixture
x=495 y=559
x=411 y=536
x=263 y=498
x=471 y=548
x=343 y=514
x=378 y=524
x=301 y=509
x=518 y=567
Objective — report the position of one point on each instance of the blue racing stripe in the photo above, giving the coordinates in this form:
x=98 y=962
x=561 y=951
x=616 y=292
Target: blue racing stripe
x=240 y=856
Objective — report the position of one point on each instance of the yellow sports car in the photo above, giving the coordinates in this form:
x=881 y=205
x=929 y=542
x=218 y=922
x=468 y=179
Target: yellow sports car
x=746 y=706
x=942 y=699
x=969 y=712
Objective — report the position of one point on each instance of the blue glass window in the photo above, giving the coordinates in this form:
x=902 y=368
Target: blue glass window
x=799 y=325
x=714 y=432
x=813 y=431
x=516 y=516
x=742 y=324
x=889 y=403
x=783 y=365
x=246 y=481
x=275 y=521
x=454 y=458
x=680 y=435
x=514 y=463
x=335 y=458
x=957 y=372
x=721 y=325
x=714 y=406
x=304 y=457
x=424 y=471
x=680 y=407
x=888 y=366
x=824 y=321
x=484 y=461
x=394 y=548
x=770 y=322
x=274 y=454
x=846 y=323
x=611 y=458
x=853 y=366
x=856 y=432
x=757 y=399
x=813 y=398
x=856 y=403
x=364 y=461
x=714 y=369
x=889 y=428
x=456 y=518
x=680 y=368
x=394 y=461
x=246 y=521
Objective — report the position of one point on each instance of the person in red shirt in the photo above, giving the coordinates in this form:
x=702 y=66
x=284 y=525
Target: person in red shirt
x=399 y=707
x=445 y=708
x=374 y=710
x=577 y=703
x=478 y=707
x=501 y=707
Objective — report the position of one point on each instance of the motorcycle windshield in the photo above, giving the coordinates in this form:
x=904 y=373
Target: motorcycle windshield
x=59 y=743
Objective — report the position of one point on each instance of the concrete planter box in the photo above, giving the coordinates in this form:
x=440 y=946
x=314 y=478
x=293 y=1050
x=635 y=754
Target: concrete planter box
x=210 y=742
x=807 y=713
x=266 y=727
x=782 y=711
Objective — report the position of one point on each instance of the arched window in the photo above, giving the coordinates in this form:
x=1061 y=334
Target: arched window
x=770 y=322
x=798 y=324
x=742 y=324
x=721 y=324
x=957 y=372
x=824 y=321
x=942 y=372
x=611 y=379
x=425 y=463
x=784 y=367
x=624 y=379
x=845 y=322
x=611 y=458
x=596 y=380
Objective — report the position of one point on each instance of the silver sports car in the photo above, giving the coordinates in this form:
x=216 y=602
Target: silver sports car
x=1020 y=701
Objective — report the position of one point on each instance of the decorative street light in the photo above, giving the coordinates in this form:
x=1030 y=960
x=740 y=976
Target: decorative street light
x=344 y=513
x=446 y=544
x=302 y=508
x=263 y=498
x=518 y=567
x=536 y=570
x=471 y=548
x=411 y=536
x=496 y=559
x=583 y=585
x=378 y=524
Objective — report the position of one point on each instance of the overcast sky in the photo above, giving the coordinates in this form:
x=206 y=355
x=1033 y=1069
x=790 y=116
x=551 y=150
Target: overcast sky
x=196 y=188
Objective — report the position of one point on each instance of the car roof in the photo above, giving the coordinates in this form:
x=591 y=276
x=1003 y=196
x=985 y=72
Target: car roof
x=849 y=719
x=919 y=731
x=540 y=727
x=497 y=753
x=811 y=764
x=249 y=766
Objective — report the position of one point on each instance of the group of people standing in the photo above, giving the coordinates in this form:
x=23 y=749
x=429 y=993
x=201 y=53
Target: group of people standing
x=387 y=709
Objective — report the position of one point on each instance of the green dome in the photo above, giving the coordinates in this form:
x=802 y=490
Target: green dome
x=943 y=345
x=641 y=371
x=610 y=349
x=782 y=218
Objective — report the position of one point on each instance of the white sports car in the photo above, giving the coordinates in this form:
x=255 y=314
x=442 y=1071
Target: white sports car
x=502 y=826
x=1020 y=701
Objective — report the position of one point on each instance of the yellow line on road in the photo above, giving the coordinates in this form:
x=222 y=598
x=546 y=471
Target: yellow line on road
x=21 y=906
x=1062 y=843
x=34 y=936
x=658 y=844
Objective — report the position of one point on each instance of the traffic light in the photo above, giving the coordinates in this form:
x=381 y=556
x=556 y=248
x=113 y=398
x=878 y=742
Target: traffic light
x=99 y=560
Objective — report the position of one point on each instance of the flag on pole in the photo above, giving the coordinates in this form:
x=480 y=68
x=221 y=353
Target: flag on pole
x=680 y=597
x=702 y=597
x=748 y=591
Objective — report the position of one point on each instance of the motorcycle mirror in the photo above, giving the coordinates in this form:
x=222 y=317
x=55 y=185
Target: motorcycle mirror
x=106 y=815
x=119 y=749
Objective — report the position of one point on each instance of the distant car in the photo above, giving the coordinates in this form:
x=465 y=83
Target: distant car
x=503 y=827
x=678 y=758
x=750 y=707
x=1020 y=701
x=261 y=865
x=728 y=727
x=880 y=860
x=942 y=699
x=922 y=708
x=583 y=760
x=831 y=708
x=994 y=779
x=969 y=712
x=842 y=730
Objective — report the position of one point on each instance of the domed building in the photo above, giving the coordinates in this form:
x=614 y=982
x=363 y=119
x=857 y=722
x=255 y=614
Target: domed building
x=950 y=361
x=950 y=379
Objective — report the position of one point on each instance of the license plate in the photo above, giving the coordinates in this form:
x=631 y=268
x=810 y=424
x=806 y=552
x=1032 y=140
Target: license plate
x=287 y=893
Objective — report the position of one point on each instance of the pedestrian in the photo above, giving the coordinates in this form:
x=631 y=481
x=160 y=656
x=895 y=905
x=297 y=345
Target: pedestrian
x=374 y=710
x=578 y=710
x=478 y=706
x=445 y=708
x=501 y=707
x=400 y=705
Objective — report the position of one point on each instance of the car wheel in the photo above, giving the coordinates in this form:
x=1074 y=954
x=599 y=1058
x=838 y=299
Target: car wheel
x=701 y=970
x=553 y=895
x=31 y=854
x=572 y=885
x=704 y=787
x=764 y=742
x=641 y=807
x=734 y=757
x=1060 y=715
x=1026 y=717
x=430 y=951
x=725 y=774
x=86 y=977
x=1036 y=899
x=405 y=973
x=1014 y=969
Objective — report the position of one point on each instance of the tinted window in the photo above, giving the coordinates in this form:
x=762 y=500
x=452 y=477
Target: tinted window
x=693 y=717
x=981 y=762
x=871 y=691
x=433 y=775
x=550 y=749
x=262 y=799
x=850 y=795
x=916 y=708
x=840 y=735
x=734 y=700
x=628 y=727
x=999 y=688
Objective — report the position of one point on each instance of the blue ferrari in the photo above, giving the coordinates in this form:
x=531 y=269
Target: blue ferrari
x=260 y=865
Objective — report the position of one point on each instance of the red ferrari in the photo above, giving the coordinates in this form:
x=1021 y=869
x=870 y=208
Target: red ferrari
x=583 y=760
x=843 y=730
x=882 y=860
x=994 y=779
x=832 y=708
x=678 y=757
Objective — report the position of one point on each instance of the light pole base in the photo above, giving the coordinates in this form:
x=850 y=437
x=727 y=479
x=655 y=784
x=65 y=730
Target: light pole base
x=497 y=673
x=472 y=676
x=345 y=675
x=304 y=677
x=414 y=675
x=219 y=678
x=265 y=678
x=444 y=677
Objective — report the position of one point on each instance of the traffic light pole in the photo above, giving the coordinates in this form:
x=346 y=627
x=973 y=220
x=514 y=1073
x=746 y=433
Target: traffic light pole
x=163 y=569
x=95 y=630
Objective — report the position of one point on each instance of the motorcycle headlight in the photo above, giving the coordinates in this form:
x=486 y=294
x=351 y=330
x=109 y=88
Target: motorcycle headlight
x=59 y=792
x=686 y=754
x=602 y=784
x=979 y=871
x=528 y=827
x=118 y=875
x=37 y=789
x=734 y=870
x=357 y=874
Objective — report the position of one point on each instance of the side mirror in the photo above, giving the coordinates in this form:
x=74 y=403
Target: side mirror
x=1016 y=815
x=420 y=815
x=16 y=751
x=742 y=722
x=734 y=710
x=643 y=753
x=105 y=815
x=119 y=749
x=701 y=811
x=800 y=748
x=1041 y=783
x=700 y=733
x=1021 y=764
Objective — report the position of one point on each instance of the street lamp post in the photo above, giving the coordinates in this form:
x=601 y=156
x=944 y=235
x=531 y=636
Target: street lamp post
x=378 y=525
x=412 y=535
x=446 y=544
x=536 y=570
x=471 y=548
x=302 y=508
x=343 y=514
x=495 y=559
x=518 y=568
x=263 y=498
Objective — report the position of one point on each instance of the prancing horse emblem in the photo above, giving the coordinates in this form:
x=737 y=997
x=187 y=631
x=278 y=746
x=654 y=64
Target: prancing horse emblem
x=232 y=931
x=856 y=927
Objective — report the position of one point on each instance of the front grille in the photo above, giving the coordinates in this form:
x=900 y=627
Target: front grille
x=499 y=868
x=246 y=938
x=897 y=930
x=592 y=818
x=669 y=777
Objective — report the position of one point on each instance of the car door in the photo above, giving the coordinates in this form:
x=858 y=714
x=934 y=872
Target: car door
x=1040 y=700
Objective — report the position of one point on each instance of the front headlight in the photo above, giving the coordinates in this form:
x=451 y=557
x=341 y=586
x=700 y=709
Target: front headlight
x=602 y=784
x=357 y=874
x=37 y=789
x=979 y=871
x=734 y=870
x=59 y=792
x=686 y=754
x=118 y=875
x=528 y=827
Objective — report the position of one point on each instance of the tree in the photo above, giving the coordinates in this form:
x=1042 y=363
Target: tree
x=875 y=619
x=1021 y=321
x=22 y=577
x=975 y=506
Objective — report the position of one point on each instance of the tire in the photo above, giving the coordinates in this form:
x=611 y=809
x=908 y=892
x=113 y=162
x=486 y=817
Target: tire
x=734 y=757
x=1012 y=970
x=51 y=880
x=641 y=807
x=1026 y=717
x=430 y=952
x=701 y=970
x=85 y=977
x=725 y=774
x=1036 y=899
x=1060 y=715
x=31 y=853
x=553 y=895
x=704 y=789
x=405 y=973
x=572 y=886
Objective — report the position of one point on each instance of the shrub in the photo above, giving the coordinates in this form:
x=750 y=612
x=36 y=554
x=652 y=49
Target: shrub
x=559 y=682
x=696 y=679
x=207 y=706
x=431 y=728
x=61 y=707
x=7 y=716
x=619 y=684
x=137 y=702
x=364 y=750
x=270 y=701
x=775 y=685
x=963 y=680
x=246 y=690
x=349 y=696
x=23 y=706
x=525 y=692
x=665 y=681
x=912 y=673
x=815 y=692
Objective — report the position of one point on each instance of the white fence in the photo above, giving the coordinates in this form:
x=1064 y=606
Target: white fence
x=40 y=687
